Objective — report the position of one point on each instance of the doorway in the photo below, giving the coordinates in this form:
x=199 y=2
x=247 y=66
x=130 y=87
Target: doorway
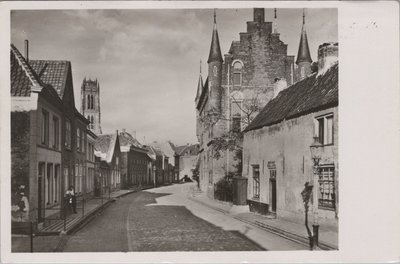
x=40 y=200
x=272 y=190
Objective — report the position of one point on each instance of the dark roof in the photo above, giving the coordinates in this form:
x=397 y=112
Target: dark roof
x=180 y=149
x=199 y=87
x=103 y=143
x=126 y=139
x=215 y=49
x=190 y=149
x=303 y=54
x=314 y=93
x=22 y=76
x=203 y=94
x=52 y=72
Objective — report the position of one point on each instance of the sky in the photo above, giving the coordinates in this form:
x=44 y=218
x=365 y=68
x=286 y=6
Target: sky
x=147 y=61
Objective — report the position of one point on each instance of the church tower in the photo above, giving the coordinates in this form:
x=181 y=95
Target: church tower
x=90 y=104
x=303 y=60
x=215 y=70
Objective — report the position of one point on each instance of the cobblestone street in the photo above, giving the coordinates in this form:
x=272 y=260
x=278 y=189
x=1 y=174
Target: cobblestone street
x=163 y=219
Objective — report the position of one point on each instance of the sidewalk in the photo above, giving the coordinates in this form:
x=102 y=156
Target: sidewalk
x=50 y=238
x=328 y=237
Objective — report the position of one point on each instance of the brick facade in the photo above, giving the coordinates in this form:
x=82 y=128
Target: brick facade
x=245 y=78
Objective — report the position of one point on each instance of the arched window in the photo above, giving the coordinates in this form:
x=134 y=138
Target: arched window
x=237 y=72
x=88 y=102
x=92 y=101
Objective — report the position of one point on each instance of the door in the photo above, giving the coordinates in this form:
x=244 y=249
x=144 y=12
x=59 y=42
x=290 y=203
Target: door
x=272 y=189
x=272 y=183
x=40 y=200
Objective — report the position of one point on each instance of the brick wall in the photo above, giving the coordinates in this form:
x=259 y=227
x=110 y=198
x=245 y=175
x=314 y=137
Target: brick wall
x=20 y=146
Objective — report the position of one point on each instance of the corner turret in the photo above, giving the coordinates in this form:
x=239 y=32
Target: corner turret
x=303 y=56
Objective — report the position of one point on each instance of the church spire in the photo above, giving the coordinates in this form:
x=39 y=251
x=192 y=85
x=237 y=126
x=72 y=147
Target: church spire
x=303 y=54
x=215 y=49
x=199 y=85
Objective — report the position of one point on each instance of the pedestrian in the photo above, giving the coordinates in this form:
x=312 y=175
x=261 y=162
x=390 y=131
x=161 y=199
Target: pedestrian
x=71 y=198
x=23 y=205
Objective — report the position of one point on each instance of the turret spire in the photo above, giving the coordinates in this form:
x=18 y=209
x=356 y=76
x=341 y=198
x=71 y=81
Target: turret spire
x=199 y=85
x=275 y=23
x=303 y=54
x=215 y=49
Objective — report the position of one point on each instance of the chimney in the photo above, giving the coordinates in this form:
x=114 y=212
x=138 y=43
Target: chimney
x=259 y=15
x=26 y=50
x=123 y=130
x=279 y=85
x=327 y=56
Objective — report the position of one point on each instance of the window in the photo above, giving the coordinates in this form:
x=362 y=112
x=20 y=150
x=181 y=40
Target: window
x=237 y=76
x=256 y=181
x=326 y=196
x=215 y=70
x=78 y=139
x=83 y=136
x=237 y=73
x=56 y=132
x=236 y=114
x=45 y=128
x=68 y=133
x=88 y=101
x=324 y=129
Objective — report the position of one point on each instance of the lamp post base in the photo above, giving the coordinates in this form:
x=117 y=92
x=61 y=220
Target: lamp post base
x=315 y=236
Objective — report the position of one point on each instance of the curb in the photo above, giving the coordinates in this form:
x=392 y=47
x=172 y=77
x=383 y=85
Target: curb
x=88 y=218
x=277 y=231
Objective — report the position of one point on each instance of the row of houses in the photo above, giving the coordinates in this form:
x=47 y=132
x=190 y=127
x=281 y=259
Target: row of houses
x=54 y=146
x=286 y=113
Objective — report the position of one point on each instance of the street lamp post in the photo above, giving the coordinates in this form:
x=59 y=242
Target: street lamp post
x=315 y=149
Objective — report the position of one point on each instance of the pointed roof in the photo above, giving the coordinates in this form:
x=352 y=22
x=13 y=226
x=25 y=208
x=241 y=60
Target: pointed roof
x=199 y=85
x=215 y=49
x=23 y=77
x=303 y=54
x=126 y=139
x=53 y=72
x=105 y=146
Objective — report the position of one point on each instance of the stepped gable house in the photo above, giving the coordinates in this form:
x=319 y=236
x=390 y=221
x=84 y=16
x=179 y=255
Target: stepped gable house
x=238 y=86
x=277 y=157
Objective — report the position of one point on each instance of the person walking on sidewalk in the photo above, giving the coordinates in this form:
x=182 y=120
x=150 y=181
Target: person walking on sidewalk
x=71 y=198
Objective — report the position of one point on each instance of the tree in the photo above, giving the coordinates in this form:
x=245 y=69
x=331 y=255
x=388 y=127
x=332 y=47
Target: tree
x=232 y=140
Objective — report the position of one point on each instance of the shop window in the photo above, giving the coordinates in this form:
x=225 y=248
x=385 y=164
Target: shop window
x=326 y=197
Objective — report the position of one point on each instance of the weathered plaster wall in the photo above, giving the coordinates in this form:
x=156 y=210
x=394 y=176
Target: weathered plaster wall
x=288 y=145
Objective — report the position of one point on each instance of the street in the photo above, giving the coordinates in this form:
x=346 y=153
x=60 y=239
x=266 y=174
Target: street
x=164 y=219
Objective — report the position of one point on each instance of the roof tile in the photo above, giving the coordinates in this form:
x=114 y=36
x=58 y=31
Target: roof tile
x=311 y=94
